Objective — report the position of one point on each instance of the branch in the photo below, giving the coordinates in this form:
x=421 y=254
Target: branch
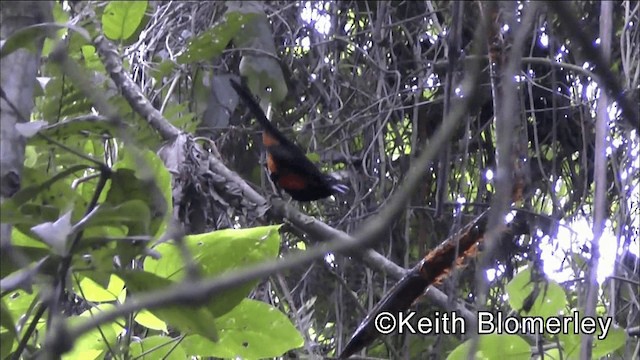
x=200 y=291
x=509 y=151
x=131 y=91
x=606 y=78
x=600 y=206
x=317 y=229
x=251 y=200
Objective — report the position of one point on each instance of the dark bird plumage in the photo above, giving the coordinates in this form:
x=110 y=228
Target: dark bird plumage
x=288 y=166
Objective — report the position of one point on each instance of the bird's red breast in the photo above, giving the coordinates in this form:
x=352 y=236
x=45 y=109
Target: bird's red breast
x=288 y=166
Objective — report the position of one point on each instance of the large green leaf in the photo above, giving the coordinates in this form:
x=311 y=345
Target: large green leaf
x=551 y=297
x=127 y=189
x=612 y=341
x=35 y=186
x=191 y=320
x=100 y=260
x=218 y=252
x=210 y=44
x=148 y=320
x=91 y=59
x=21 y=305
x=252 y=330
x=602 y=345
x=19 y=302
x=133 y=214
x=121 y=19
x=90 y=290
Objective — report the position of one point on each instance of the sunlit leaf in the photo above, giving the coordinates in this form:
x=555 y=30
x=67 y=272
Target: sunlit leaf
x=121 y=18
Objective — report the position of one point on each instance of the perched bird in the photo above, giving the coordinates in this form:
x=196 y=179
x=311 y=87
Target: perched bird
x=288 y=166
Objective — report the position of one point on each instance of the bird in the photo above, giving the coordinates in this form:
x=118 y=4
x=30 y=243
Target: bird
x=289 y=168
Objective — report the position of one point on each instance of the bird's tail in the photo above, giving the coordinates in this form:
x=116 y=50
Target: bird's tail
x=255 y=108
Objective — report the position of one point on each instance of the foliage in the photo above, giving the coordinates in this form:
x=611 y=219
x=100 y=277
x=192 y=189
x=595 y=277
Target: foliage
x=361 y=86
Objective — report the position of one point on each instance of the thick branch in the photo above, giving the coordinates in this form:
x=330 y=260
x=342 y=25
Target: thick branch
x=131 y=91
x=199 y=292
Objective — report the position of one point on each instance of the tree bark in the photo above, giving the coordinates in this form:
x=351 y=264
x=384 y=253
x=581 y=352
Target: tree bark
x=18 y=72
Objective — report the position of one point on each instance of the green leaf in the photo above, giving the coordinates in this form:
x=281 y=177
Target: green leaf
x=192 y=320
x=252 y=330
x=30 y=192
x=19 y=302
x=157 y=347
x=218 y=252
x=121 y=18
x=210 y=44
x=614 y=339
x=30 y=156
x=21 y=305
x=62 y=99
x=100 y=260
x=553 y=354
x=551 y=298
x=494 y=346
x=94 y=292
x=263 y=72
x=134 y=214
x=148 y=320
x=28 y=37
x=93 y=344
x=570 y=345
x=139 y=198
x=91 y=58
x=20 y=239
x=143 y=176
x=129 y=192
x=313 y=157
x=7 y=342
x=6 y=320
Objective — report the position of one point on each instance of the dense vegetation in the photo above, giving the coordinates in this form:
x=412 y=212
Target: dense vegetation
x=138 y=220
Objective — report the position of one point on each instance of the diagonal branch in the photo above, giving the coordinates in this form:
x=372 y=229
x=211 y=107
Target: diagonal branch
x=228 y=179
x=201 y=291
x=131 y=91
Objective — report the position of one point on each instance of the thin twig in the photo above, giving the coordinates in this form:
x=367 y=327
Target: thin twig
x=371 y=230
x=582 y=36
